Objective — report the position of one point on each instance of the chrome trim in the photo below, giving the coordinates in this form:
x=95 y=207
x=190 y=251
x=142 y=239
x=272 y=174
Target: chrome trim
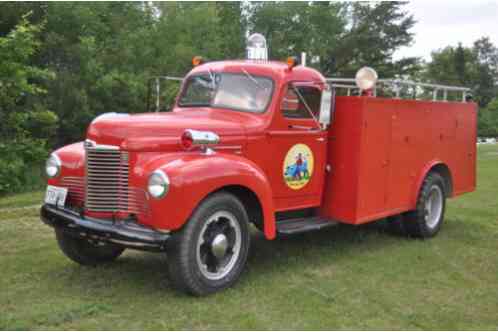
x=396 y=84
x=203 y=137
x=93 y=145
x=106 y=180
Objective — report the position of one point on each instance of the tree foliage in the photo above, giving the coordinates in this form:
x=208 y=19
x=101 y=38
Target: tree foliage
x=25 y=122
x=63 y=63
x=475 y=67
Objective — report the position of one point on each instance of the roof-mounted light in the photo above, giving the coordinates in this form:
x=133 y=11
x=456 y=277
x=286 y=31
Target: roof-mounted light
x=292 y=61
x=366 y=78
x=197 y=60
x=256 y=47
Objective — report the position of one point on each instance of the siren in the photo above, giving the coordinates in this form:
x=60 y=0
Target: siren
x=256 y=47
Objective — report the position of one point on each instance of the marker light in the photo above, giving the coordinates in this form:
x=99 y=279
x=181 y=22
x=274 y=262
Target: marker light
x=197 y=60
x=292 y=61
x=191 y=138
x=187 y=141
x=366 y=78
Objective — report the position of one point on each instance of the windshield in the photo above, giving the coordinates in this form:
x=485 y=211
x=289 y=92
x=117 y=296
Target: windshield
x=243 y=92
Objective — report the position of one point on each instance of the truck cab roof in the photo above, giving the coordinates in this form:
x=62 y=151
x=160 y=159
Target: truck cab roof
x=277 y=70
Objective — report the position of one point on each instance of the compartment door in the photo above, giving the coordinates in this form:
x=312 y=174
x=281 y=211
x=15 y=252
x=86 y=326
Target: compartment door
x=374 y=160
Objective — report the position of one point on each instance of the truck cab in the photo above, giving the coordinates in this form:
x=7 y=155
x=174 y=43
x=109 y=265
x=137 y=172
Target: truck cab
x=256 y=142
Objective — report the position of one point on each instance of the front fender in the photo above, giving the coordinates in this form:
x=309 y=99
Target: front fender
x=194 y=176
x=73 y=162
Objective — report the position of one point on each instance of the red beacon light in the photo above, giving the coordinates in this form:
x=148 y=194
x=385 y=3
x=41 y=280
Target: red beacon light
x=195 y=138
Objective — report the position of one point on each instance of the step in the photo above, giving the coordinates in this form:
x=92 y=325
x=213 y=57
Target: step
x=302 y=225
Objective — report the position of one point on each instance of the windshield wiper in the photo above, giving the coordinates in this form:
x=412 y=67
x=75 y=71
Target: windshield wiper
x=211 y=76
x=252 y=79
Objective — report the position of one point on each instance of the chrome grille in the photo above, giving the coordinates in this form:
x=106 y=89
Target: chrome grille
x=106 y=179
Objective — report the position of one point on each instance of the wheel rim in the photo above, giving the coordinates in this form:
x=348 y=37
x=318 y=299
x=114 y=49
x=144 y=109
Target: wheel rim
x=433 y=206
x=218 y=246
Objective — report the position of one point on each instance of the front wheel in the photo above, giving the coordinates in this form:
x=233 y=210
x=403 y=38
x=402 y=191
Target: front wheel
x=426 y=220
x=211 y=250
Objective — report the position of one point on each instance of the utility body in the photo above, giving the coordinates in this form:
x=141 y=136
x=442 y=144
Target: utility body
x=261 y=142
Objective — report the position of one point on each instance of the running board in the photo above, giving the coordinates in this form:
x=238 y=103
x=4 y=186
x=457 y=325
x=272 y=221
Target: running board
x=302 y=225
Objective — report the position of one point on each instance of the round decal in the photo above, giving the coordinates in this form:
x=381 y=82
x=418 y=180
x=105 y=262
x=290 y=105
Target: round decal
x=298 y=166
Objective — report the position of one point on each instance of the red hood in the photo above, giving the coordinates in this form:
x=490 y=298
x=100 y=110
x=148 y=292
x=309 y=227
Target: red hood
x=150 y=131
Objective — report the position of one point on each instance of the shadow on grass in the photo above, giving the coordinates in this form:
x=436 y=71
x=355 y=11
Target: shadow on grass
x=145 y=275
x=139 y=273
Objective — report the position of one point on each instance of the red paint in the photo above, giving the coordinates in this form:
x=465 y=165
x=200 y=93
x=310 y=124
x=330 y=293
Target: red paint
x=379 y=151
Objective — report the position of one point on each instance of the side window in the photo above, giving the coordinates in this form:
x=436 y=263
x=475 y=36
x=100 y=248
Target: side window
x=294 y=103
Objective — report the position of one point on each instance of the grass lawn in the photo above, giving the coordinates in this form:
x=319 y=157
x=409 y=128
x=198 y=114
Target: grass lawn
x=339 y=278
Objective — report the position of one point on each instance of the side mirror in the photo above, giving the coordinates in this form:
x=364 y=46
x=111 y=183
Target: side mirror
x=326 y=107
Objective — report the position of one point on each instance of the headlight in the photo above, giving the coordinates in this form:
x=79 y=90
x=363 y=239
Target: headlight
x=366 y=78
x=53 y=166
x=158 y=185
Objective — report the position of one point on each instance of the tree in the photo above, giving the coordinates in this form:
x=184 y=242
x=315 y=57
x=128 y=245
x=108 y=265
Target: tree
x=25 y=122
x=376 y=31
x=488 y=120
x=291 y=28
x=474 y=67
x=338 y=37
x=460 y=64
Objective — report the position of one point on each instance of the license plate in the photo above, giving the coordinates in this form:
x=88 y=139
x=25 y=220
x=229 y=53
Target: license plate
x=56 y=196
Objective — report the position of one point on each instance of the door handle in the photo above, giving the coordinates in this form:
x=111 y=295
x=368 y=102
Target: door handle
x=320 y=139
x=301 y=127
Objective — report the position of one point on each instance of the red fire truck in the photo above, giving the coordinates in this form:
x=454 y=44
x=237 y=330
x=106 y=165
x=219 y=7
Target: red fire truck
x=273 y=144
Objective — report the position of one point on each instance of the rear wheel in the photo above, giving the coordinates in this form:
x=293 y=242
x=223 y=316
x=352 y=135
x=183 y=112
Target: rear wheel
x=426 y=220
x=85 y=253
x=210 y=252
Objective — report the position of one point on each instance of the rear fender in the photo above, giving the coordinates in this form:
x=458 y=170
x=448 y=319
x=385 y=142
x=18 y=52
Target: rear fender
x=420 y=179
x=194 y=176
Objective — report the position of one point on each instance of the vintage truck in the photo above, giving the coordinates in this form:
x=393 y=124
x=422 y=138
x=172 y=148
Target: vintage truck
x=273 y=144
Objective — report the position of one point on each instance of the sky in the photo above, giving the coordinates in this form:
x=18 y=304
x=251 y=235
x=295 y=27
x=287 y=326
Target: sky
x=447 y=22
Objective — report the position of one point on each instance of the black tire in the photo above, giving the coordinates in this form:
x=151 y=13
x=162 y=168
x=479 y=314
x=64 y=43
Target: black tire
x=85 y=253
x=419 y=222
x=185 y=254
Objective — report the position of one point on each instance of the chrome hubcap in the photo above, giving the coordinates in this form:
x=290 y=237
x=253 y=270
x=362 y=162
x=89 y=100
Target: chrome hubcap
x=218 y=247
x=433 y=206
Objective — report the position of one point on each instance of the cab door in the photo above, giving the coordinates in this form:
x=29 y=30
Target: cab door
x=298 y=146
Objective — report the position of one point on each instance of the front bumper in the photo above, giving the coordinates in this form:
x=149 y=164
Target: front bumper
x=126 y=233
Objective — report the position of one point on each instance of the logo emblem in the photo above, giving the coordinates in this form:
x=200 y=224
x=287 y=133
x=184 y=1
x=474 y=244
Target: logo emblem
x=298 y=166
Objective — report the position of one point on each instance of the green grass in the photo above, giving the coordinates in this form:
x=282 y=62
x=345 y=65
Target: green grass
x=339 y=278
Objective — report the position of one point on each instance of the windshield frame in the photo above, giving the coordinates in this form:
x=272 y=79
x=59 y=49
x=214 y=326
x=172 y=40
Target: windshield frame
x=242 y=74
